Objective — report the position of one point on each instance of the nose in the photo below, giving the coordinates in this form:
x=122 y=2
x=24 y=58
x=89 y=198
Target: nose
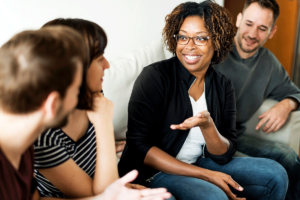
x=106 y=64
x=190 y=45
x=253 y=32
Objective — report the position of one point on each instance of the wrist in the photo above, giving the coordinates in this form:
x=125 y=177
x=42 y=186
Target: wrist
x=103 y=124
x=208 y=125
x=204 y=174
x=290 y=104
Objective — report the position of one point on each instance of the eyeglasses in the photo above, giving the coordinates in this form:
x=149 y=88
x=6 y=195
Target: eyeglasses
x=198 y=40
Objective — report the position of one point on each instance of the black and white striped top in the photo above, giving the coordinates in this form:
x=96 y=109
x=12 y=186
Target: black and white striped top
x=55 y=147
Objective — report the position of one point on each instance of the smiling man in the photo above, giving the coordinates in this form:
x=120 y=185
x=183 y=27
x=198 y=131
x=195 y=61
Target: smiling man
x=257 y=75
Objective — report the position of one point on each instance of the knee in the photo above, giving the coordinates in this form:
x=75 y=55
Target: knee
x=172 y=198
x=289 y=157
x=278 y=176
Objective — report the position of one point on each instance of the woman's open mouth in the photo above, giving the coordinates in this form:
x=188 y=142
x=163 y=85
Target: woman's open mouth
x=191 y=59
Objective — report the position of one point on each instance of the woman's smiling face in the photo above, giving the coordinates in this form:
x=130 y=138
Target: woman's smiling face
x=193 y=57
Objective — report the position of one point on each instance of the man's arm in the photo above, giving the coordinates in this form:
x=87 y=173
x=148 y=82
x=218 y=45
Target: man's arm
x=277 y=115
x=282 y=89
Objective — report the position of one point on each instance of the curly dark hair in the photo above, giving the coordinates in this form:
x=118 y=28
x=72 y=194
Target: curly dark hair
x=218 y=23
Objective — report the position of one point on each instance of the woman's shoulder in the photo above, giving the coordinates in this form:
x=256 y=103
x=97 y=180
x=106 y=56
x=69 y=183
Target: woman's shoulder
x=220 y=78
x=158 y=72
x=161 y=67
x=51 y=137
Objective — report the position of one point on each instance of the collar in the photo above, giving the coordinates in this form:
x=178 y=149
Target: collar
x=188 y=77
x=238 y=57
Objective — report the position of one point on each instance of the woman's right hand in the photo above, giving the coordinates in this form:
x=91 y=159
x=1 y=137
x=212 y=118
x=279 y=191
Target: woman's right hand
x=222 y=180
x=102 y=109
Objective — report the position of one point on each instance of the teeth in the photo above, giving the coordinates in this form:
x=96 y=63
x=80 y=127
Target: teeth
x=192 y=57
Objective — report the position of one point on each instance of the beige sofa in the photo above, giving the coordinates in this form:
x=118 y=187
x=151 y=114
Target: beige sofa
x=288 y=134
x=119 y=80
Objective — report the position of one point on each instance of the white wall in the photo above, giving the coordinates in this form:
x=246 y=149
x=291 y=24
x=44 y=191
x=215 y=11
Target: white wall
x=129 y=24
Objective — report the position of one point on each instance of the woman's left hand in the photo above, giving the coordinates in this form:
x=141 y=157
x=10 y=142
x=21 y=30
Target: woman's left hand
x=202 y=120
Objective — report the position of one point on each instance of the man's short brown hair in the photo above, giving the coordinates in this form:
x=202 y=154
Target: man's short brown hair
x=35 y=63
x=270 y=4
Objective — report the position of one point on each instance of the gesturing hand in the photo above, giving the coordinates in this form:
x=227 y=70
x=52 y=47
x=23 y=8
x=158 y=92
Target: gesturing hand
x=275 y=117
x=222 y=180
x=202 y=119
x=118 y=191
x=135 y=186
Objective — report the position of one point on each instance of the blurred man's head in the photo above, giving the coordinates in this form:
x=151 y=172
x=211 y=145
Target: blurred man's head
x=256 y=24
x=41 y=71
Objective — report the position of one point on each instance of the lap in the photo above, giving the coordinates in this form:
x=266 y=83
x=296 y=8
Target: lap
x=187 y=188
x=261 y=178
x=256 y=175
x=256 y=147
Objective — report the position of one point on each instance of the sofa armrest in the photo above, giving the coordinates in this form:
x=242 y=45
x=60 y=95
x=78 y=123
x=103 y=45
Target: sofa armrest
x=288 y=134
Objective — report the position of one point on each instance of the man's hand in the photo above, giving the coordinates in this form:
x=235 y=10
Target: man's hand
x=202 y=120
x=277 y=115
x=135 y=186
x=222 y=181
x=118 y=191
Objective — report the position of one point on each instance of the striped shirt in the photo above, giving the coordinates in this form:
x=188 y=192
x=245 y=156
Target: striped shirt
x=55 y=147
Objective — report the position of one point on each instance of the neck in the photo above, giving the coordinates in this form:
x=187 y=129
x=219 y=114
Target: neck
x=243 y=55
x=77 y=124
x=18 y=132
x=200 y=75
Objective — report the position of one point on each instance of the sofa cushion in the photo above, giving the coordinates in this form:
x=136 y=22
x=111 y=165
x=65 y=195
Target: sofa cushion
x=120 y=77
x=288 y=134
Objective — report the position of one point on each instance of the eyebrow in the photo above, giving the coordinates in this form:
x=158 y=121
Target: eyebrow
x=260 y=25
x=196 y=32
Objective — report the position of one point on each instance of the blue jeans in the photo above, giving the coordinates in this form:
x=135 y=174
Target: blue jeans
x=283 y=154
x=262 y=179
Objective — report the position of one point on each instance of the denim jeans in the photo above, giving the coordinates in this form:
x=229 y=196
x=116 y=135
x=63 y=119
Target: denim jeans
x=262 y=179
x=283 y=154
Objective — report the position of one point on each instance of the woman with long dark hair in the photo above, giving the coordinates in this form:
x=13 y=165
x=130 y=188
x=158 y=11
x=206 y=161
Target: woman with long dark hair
x=79 y=159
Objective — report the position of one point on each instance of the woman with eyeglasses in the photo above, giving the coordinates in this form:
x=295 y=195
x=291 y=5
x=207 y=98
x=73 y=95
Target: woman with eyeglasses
x=181 y=126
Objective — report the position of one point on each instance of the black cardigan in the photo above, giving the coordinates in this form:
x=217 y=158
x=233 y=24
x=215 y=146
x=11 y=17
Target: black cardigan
x=160 y=98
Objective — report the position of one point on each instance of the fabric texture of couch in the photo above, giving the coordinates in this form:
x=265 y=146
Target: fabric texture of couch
x=288 y=134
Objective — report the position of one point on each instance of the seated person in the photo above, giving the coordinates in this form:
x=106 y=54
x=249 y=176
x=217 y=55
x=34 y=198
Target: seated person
x=81 y=153
x=181 y=125
x=40 y=76
x=256 y=75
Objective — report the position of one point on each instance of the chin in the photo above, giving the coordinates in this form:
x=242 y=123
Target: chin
x=63 y=122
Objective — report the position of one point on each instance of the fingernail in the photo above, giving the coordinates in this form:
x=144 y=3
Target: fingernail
x=240 y=188
x=256 y=128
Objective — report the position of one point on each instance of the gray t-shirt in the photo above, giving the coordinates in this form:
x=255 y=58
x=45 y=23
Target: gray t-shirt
x=256 y=79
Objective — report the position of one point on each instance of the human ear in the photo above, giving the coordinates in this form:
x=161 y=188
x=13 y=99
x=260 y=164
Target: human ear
x=273 y=31
x=52 y=104
x=239 y=20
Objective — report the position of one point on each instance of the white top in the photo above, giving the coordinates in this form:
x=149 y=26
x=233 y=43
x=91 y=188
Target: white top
x=192 y=147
